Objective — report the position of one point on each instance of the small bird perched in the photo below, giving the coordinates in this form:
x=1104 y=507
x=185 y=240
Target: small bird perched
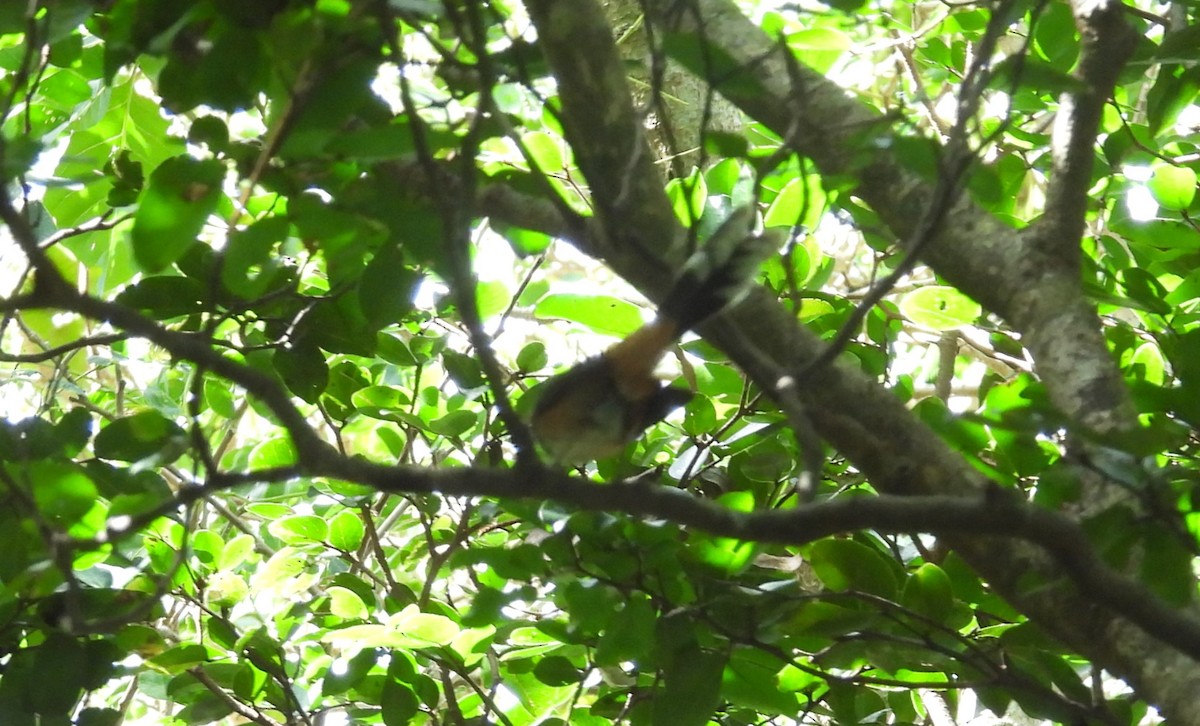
x=602 y=404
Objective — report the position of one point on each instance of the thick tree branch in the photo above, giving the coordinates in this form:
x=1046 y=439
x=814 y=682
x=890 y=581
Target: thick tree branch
x=977 y=253
x=608 y=141
x=973 y=250
x=1059 y=327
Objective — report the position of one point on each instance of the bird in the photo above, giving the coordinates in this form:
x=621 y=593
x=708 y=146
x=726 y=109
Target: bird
x=602 y=404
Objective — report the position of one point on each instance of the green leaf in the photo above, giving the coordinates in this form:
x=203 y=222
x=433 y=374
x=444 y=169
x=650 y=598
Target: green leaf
x=226 y=72
x=178 y=200
x=525 y=242
x=1173 y=187
x=300 y=529
x=140 y=436
x=928 y=591
x=165 y=297
x=708 y=60
x=1149 y=358
x=340 y=680
x=1182 y=43
x=601 y=313
x=795 y=204
x=66 y=659
x=394 y=350
x=556 y=670
x=844 y=564
x=464 y=369
x=917 y=154
x=727 y=554
x=248 y=264
x=74 y=430
x=1027 y=72
x=277 y=451
x=383 y=402
x=546 y=151
x=1167 y=566
x=204 y=708
x=399 y=703
x=285 y=573
x=346 y=604
x=819 y=48
x=119 y=118
x=688 y=196
x=342 y=91
x=225 y=590
x=63 y=491
x=1144 y=288
x=692 y=689
x=304 y=369
x=1175 y=88
x=181 y=657
x=346 y=531
x=752 y=680
x=454 y=424
x=766 y=463
x=237 y=551
x=1185 y=358
x=724 y=176
x=1056 y=39
x=210 y=131
x=423 y=629
x=700 y=416
x=939 y=307
x=387 y=288
x=733 y=146
x=491 y=299
x=629 y=634
x=128 y=179
x=207 y=545
x=218 y=398
x=373 y=144
x=28 y=439
x=532 y=357
x=590 y=604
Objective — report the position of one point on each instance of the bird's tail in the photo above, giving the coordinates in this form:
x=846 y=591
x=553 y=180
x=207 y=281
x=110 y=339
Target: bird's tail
x=719 y=273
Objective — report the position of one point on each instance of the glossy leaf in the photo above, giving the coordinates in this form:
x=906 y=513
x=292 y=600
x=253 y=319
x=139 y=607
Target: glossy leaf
x=1174 y=187
x=691 y=690
x=848 y=565
x=141 y=436
x=180 y=195
x=602 y=314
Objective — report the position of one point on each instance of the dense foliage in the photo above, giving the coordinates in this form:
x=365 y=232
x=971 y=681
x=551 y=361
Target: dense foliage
x=281 y=278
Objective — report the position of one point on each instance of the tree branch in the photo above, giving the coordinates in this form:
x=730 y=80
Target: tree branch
x=51 y=353
x=610 y=146
x=51 y=290
x=994 y=514
x=1107 y=42
x=974 y=251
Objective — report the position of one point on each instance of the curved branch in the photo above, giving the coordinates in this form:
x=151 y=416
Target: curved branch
x=51 y=353
x=995 y=514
